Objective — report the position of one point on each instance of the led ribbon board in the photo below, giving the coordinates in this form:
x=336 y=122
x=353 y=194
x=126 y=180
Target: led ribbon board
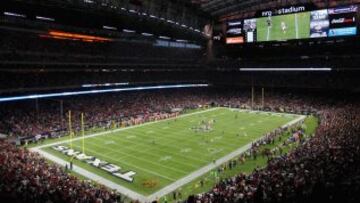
x=63 y=94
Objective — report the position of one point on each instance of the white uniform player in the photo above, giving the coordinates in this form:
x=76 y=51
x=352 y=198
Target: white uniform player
x=283 y=27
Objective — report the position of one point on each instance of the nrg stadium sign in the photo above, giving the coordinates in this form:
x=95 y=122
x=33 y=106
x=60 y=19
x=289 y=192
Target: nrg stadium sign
x=283 y=11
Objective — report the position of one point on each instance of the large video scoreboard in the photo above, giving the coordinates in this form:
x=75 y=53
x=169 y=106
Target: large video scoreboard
x=293 y=23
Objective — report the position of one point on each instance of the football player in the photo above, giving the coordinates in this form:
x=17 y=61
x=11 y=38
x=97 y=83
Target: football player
x=283 y=27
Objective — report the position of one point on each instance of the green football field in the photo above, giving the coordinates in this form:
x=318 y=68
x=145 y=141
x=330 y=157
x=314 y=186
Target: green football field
x=163 y=152
x=298 y=27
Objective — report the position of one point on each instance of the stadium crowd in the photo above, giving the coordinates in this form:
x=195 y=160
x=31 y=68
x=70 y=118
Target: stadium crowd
x=27 y=177
x=325 y=167
x=101 y=111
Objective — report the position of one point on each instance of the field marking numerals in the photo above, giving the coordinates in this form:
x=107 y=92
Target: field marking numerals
x=186 y=150
x=214 y=151
x=109 y=142
x=202 y=143
x=165 y=158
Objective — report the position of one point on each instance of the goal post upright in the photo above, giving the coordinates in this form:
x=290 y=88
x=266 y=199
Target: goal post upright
x=83 y=133
x=262 y=98
x=252 y=97
x=70 y=130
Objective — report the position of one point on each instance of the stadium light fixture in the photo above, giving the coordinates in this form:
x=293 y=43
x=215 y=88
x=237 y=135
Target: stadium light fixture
x=128 y=31
x=283 y=69
x=14 y=14
x=147 y=34
x=86 y=92
x=164 y=37
x=44 y=18
x=109 y=27
x=74 y=36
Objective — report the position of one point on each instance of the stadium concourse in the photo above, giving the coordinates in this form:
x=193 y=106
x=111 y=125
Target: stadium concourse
x=324 y=167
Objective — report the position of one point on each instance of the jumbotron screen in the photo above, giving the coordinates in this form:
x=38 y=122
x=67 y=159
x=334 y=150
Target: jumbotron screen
x=332 y=22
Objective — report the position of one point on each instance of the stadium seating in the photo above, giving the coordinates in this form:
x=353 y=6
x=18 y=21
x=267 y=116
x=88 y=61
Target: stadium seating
x=26 y=177
x=324 y=167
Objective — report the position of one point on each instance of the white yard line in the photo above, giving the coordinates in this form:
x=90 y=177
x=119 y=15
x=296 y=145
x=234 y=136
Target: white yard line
x=133 y=166
x=167 y=189
x=134 y=157
x=168 y=143
x=296 y=26
x=268 y=34
x=205 y=169
x=122 y=129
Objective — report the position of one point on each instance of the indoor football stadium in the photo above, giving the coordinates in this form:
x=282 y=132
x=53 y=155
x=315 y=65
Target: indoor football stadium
x=179 y=101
